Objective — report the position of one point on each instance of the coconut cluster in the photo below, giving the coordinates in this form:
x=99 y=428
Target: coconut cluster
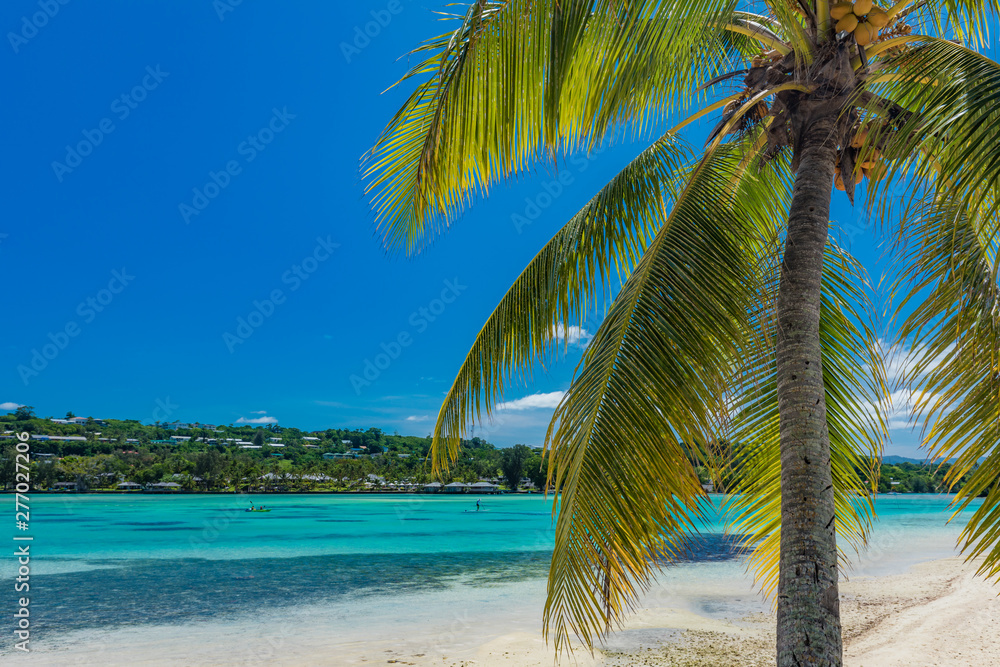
x=863 y=18
x=870 y=164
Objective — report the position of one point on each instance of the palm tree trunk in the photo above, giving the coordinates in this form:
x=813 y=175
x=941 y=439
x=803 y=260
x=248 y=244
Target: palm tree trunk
x=808 y=599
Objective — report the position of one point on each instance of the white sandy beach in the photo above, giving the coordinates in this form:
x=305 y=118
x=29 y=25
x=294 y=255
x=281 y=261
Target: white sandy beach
x=936 y=613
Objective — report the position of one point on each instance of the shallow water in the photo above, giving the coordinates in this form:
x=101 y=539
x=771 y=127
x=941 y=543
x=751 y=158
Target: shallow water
x=409 y=566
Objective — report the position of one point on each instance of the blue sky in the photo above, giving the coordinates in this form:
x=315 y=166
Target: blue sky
x=219 y=170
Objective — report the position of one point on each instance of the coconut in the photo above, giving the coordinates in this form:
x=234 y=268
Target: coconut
x=858 y=140
x=840 y=10
x=878 y=17
x=847 y=24
x=862 y=7
x=877 y=171
x=838 y=182
x=865 y=33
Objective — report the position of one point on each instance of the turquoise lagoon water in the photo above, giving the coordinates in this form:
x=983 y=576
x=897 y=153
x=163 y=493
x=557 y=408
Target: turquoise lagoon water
x=396 y=563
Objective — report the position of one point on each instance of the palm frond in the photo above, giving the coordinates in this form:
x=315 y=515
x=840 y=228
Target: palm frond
x=941 y=102
x=519 y=81
x=599 y=245
x=954 y=331
x=648 y=393
x=968 y=20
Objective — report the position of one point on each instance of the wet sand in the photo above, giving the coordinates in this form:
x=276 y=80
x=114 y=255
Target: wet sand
x=936 y=613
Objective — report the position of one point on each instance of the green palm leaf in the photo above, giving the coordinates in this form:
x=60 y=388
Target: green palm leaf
x=968 y=19
x=649 y=390
x=598 y=245
x=520 y=80
x=955 y=333
x=687 y=354
x=942 y=102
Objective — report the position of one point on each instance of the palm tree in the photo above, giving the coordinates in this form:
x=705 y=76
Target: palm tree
x=735 y=317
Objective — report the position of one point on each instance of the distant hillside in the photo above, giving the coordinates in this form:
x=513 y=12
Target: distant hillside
x=901 y=459
x=893 y=460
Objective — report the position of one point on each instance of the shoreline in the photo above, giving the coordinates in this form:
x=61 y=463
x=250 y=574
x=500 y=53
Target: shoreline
x=116 y=492
x=113 y=492
x=933 y=613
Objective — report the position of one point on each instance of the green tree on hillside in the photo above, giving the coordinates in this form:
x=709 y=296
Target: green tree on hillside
x=7 y=467
x=209 y=465
x=536 y=468
x=512 y=462
x=24 y=412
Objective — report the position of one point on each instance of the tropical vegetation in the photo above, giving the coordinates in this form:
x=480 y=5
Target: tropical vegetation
x=112 y=451
x=736 y=318
x=116 y=451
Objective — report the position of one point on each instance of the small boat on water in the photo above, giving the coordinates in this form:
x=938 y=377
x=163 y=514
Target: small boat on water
x=255 y=510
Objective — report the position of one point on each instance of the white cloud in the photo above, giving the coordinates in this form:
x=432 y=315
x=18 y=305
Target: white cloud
x=900 y=362
x=573 y=335
x=533 y=402
x=9 y=405
x=417 y=418
x=258 y=412
x=258 y=420
x=332 y=404
x=907 y=410
x=910 y=408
